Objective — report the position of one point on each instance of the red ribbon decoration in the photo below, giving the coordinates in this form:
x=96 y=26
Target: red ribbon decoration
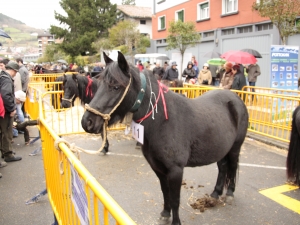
x=88 y=90
x=162 y=89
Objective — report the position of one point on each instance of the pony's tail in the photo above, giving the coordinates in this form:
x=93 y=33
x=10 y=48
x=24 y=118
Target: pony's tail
x=293 y=158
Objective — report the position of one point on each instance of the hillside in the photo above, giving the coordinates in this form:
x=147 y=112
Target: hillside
x=19 y=32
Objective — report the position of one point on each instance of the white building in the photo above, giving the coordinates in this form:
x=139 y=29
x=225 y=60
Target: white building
x=142 y=15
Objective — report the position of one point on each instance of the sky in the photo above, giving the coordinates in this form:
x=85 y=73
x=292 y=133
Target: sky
x=40 y=13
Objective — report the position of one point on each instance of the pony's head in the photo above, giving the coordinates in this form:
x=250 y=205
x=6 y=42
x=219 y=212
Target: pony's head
x=70 y=87
x=115 y=95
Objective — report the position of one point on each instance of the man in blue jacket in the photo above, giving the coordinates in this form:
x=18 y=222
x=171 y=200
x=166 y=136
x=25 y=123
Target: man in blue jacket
x=7 y=94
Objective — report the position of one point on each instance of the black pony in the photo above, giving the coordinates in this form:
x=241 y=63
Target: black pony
x=293 y=158
x=82 y=87
x=183 y=133
x=57 y=98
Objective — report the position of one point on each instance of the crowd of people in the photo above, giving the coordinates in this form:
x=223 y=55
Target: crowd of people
x=14 y=79
x=227 y=76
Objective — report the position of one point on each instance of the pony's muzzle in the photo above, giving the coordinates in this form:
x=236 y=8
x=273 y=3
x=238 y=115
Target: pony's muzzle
x=91 y=123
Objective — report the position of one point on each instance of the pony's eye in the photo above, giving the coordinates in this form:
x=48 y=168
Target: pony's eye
x=116 y=88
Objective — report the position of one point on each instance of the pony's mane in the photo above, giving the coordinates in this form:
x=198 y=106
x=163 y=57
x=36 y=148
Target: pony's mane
x=111 y=74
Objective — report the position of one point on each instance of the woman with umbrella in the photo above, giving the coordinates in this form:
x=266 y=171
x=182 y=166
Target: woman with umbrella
x=239 y=80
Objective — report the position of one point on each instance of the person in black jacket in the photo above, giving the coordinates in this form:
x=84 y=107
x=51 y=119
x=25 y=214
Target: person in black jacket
x=189 y=72
x=172 y=73
x=239 y=80
x=6 y=122
x=158 y=71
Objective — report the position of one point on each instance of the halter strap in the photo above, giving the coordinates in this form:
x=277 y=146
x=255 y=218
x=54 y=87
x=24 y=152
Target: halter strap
x=68 y=100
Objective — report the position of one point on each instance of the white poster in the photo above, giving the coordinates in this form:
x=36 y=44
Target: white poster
x=79 y=197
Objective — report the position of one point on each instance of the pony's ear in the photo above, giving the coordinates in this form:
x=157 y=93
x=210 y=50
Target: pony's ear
x=122 y=62
x=107 y=59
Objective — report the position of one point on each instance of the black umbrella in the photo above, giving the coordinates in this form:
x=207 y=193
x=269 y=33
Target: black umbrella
x=212 y=54
x=163 y=58
x=3 y=34
x=253 y=52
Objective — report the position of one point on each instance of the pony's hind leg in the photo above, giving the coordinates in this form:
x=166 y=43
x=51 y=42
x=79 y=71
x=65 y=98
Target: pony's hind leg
x=223 y=167
x=231 y=177
x=233 y=160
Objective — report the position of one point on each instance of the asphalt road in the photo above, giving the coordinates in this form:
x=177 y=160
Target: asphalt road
x=126 y=175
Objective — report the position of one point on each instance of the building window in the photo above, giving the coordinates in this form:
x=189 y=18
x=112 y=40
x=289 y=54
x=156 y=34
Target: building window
x=208 y=34
x=245 y=29
x=297 y=22
x=142 y=21
x=266 y=26
x=203 y=10
x=179 y=15
x=228 y=31
x=162 y=23
x=229 y=6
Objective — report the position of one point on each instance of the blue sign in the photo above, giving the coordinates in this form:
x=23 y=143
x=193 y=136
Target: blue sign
x=284 y=67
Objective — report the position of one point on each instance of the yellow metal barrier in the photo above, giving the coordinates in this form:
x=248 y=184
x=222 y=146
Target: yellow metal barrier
x=269 y=114
x=60 y=182
x=44 y=77
x=272 y=91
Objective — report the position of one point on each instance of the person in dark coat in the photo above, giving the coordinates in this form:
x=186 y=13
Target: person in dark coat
x=172 y=73
x=6 y=123
x=219 y=75
x=213 y=70
x=239 y=80
x=189 y=72
x=158 y=71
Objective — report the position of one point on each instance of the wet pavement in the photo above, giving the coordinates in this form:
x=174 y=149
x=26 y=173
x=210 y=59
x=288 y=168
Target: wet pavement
x=127 y=177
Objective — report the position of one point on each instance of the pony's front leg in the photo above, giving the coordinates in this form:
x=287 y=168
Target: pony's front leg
x=166 y=213
x=175 y=181
x=105 y=149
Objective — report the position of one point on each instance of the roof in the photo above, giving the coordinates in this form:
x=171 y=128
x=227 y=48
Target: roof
x=136 y=11
x=45 y=34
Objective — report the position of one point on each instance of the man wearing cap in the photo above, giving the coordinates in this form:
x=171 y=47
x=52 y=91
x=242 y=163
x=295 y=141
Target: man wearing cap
x=172 y=73
x=7 y=93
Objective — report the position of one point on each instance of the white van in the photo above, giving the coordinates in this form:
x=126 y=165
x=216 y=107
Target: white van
x=151 y=57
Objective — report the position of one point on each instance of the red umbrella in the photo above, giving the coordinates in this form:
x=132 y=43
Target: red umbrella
x=239 y=57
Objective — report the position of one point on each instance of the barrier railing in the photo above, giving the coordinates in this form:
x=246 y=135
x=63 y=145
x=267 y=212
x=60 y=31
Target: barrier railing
x=272 y=90
x=44 y=77
x=269 y=114
x=74 y=194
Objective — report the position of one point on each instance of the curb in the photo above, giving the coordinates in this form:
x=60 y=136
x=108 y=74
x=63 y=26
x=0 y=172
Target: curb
x=268 y=141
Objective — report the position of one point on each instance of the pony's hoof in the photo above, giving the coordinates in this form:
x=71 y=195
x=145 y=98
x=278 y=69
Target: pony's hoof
x=103 y=152
x=229 y=199
x=164 y=220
